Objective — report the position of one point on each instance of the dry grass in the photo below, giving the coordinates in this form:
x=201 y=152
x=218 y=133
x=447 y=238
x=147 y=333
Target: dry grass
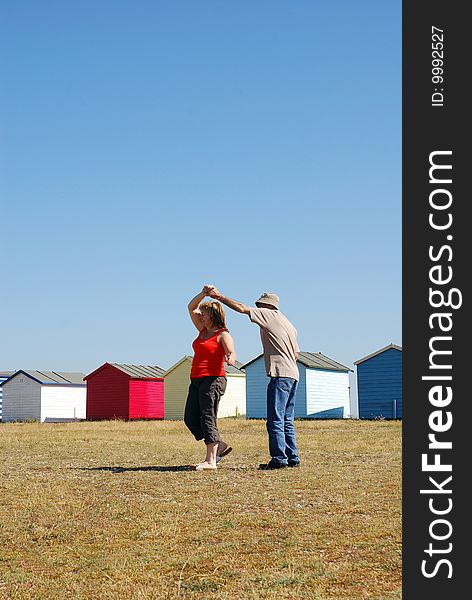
x=102 y=510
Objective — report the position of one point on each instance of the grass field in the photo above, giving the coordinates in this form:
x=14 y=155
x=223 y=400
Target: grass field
x=107 y=510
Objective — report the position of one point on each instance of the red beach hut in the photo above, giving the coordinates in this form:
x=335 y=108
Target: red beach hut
x=125 y=392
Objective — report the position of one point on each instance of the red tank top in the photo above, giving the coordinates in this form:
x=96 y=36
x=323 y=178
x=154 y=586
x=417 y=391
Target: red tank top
x=209 y=357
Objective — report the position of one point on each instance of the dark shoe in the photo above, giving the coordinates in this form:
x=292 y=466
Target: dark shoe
x=225 y=450
x=272 y=465
x=293 y=463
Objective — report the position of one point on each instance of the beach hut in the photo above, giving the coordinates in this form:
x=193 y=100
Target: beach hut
x=4 y=375
x=117 y=391
x=322 y=393
x=379 y=384
x=177 y=381
x=45 y=396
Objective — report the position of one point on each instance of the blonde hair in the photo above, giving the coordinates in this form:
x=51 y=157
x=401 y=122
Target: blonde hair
x=216 y=312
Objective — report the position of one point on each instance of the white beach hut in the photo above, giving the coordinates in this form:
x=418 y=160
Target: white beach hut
x=4 y=375
x=45 y=396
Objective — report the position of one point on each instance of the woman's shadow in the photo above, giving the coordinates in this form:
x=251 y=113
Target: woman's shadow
x=150 y=468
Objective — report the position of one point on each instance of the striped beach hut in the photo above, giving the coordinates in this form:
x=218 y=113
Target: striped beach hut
x=4 y=375
x=118 y=391
x=177 y=381
x=322 y=393
x=45 y=396
x=379 y=384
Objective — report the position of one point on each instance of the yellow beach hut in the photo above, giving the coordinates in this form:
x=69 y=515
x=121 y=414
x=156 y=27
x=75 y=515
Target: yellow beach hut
x=177 y=380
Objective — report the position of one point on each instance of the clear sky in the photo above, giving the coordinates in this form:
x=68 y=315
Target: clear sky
x=151 y=146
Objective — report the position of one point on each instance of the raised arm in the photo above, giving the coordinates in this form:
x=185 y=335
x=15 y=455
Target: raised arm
x=193 y=311
x=212 y=291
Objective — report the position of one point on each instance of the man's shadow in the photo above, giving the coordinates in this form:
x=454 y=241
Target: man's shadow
x=150 y=468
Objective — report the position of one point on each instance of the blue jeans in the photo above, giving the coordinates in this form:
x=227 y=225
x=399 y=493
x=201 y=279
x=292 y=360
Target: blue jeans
x=280 y=414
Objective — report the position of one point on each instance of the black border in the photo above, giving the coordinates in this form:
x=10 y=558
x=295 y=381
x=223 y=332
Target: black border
x=428 y=128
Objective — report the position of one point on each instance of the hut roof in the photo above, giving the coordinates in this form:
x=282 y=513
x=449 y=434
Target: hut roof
x=50 y=377
x=134 y=371
x=314 y=360
x=390 y=346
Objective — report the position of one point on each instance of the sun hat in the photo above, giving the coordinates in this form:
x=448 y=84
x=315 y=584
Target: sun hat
x=269 y=298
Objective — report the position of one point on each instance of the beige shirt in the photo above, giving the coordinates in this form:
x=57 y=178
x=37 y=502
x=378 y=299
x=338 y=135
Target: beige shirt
x=279 y=341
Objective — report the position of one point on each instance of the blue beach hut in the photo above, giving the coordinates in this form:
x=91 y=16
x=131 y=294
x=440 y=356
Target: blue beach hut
x=379 y=384
x=323 y=389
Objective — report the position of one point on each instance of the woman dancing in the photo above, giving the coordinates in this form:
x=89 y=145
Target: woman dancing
x=212 y=347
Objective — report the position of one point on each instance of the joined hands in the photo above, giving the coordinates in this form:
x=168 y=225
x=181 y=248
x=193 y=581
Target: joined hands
x=210 y=290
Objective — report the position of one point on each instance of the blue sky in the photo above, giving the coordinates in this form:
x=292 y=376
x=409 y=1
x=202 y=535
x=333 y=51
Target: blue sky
x=149 y=147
